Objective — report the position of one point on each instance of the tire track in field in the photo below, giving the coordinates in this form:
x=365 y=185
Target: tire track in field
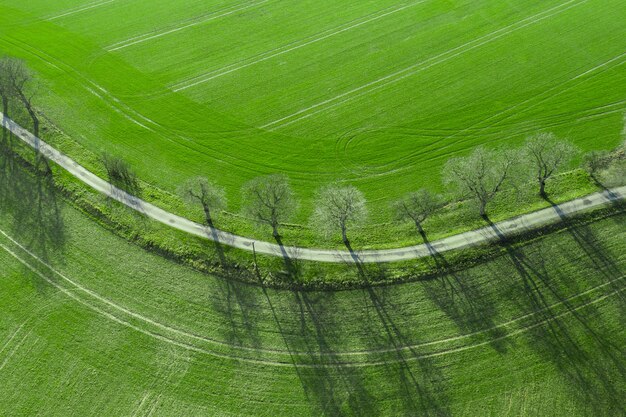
x=153 y=405
x=141 y=403
x=81 y=9
x=530 y=126
x=354 y=24
x=404 y=73
x=483 y=126
x=12 y=336
x=170 y=135
x=122 y=322
x=34 y=316
x=291 y=354
x=195 y=22
x=15 y=349
x=511 y=227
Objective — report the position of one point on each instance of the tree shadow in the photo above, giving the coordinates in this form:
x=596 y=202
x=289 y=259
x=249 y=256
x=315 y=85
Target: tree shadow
x=237 y=303
x=30 y=200
x=596 y=252
x=459 y=296
x=292 y=266
x=356 y=260
x=217 y=244
x=421 y=386
x=593 y=369
x=334 y=385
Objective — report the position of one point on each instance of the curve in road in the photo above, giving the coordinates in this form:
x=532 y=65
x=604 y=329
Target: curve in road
x=494 y=232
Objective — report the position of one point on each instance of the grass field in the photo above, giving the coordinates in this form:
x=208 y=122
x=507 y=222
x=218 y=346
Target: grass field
x=378 y=94
x=536 y=331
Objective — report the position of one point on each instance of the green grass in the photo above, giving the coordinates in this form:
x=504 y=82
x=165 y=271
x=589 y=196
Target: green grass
x=563 y=73
x=93 y=325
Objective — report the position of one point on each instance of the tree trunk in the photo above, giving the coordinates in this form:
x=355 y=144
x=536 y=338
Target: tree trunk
x=275 y=231
x=542 y=188
x=207 y=216
x=5 y=111
x=483 y=209
x=344 y=235
x=420 y=229
x=33 y=116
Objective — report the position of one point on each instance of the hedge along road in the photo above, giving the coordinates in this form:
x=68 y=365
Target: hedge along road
x=484 y=235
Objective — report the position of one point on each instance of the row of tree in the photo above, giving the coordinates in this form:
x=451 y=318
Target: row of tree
x=481 y=176
x=270 y=200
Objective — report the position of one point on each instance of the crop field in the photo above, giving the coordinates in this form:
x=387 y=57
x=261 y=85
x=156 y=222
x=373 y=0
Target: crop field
x=375 y=93
x=535 y=331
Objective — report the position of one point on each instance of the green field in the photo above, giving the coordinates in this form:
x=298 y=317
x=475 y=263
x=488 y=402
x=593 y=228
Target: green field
x=378 y=94
x=93 y=325
x=375 y=93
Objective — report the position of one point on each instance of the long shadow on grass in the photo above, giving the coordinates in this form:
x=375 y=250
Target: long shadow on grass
x=331 y=388
x=28 y=199
x=317 y=331
x=596 y=252
x=238 y=305
x=568 y=332
x=419 y=381
x=460 y=296
x=292 y=267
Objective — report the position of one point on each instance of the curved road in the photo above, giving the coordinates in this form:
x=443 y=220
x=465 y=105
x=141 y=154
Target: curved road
x=484 y=235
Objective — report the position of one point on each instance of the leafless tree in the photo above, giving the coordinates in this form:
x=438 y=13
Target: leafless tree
x=547 y=155
x=339 y=208
x=210 y=196
x=20 y=82
x=596 y=161
x=416 y=207
x=481 y=175
x=269 y=200
x=624 y=132
x=120 y=174
x=5 y=85
x=6 y=89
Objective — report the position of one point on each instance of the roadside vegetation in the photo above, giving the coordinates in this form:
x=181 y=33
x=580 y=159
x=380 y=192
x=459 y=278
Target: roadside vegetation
x=95 y=325
x=122 y=101
x=106 y=312
x=488 y=184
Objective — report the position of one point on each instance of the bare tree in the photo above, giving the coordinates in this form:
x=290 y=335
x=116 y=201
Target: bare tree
x=596 y=161
x=339 y=208
x=624 y=132
x=5 y=84
x=416 y=207
x=20 y=80
x=120 y=174
x=209 y=195
x=269 y=200
x=6 y=89
x=481 y=175
x=547 y=155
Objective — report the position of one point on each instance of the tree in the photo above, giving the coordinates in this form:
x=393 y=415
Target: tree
x=209 y=195
x=269 y=200
x=622 y=148
x=417 y=207
x=5 y=84
x=481 y=175
x=6 y=89
x=547 y=155
x=120 y=174
x=595 y=161
x=339 y=208
x=20 y=80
